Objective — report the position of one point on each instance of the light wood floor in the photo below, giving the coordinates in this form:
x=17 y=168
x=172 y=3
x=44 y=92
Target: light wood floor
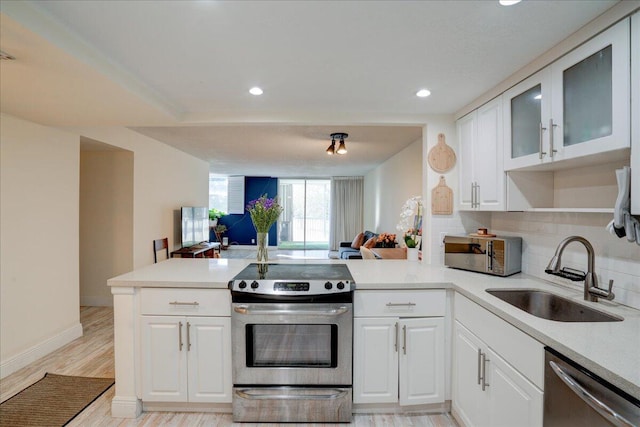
x=92 y=356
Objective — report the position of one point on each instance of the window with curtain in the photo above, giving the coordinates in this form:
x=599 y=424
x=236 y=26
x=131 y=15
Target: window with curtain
x=347 y=195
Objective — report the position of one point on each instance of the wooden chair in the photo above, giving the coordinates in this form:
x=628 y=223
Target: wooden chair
x=158 y=245
x=366 y=253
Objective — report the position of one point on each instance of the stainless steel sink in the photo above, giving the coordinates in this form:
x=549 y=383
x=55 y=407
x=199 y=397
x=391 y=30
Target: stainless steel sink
x=547 y=305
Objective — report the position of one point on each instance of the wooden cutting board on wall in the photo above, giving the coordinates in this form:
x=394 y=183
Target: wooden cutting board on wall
x=441 y=157
x=442 y=198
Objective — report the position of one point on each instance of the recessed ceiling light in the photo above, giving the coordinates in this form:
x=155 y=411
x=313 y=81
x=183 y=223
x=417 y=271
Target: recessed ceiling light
x=423 y=93
x=508 y=2
x=255 y=91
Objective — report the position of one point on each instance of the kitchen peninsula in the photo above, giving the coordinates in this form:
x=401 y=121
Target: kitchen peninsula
x=608 y=349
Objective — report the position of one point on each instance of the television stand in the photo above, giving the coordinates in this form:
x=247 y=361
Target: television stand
x=198 y=251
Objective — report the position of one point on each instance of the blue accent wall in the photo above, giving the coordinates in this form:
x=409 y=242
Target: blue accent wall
x=240 y=229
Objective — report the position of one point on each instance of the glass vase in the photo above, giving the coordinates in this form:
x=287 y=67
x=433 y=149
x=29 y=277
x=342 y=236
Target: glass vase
x=262 y=243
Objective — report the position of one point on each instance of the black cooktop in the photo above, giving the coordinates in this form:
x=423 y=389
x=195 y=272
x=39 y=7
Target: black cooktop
x=295 y=272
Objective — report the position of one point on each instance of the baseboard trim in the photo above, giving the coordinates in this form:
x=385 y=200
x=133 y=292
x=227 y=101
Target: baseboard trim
x=40 y=350
x=395 y=408
x=126 y=407
x=96 y=301
x=221 y=408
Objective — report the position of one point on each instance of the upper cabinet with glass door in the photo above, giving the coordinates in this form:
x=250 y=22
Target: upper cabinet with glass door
x=578 y=106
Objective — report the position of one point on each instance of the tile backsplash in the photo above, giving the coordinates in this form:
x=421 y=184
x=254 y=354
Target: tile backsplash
x=541 y=233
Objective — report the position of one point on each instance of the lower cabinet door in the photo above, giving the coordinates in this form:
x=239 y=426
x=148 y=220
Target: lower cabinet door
x=468 y=396
x=375 y=355
x=421 y=360
x=513 y=400
x=164 y=359
x=209 y=357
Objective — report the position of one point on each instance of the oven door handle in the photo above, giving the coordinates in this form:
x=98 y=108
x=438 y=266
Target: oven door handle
x=330 y=394
x=599 y=406
x=245 y=309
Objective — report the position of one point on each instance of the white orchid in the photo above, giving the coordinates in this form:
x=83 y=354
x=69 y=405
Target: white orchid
x=411 y=221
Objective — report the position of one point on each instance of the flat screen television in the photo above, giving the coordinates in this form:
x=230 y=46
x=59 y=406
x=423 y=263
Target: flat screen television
x=194 y=224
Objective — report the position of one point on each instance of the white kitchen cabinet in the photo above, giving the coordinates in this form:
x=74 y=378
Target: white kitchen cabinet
x=399 y=351
x=575 y=108
x=164 y=376
x=498 y=371
x=488 y=391
x=635 y=113
x=186 y=359
x=185 y=345
x=480 y=141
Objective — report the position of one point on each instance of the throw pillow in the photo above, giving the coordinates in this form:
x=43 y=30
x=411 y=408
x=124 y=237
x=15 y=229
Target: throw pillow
x=357 y=241
x=371 y=243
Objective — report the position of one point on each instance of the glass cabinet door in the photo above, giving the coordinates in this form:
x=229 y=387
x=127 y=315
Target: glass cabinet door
x=590 y=89
x=587 y=102
x=526 y=115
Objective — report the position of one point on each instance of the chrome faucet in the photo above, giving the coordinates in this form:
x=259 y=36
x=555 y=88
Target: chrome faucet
x=591 y=289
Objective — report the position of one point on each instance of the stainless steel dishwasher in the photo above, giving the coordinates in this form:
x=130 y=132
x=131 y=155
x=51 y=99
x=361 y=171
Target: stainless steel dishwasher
x=574 y=396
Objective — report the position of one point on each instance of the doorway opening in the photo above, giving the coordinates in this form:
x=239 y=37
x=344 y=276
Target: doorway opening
x=304 y=222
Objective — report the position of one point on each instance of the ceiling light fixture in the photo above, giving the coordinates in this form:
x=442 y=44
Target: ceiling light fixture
x=332 y=148
x=342 y=149
x=423 y=93
x=508 y=2
x=256 y=91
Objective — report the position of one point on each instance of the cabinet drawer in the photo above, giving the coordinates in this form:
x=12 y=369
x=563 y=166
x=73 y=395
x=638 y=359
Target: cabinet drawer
x=185 y=302
x=401 y=303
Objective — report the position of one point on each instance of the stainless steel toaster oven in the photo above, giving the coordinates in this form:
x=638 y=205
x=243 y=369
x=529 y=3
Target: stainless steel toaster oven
x=500 y=256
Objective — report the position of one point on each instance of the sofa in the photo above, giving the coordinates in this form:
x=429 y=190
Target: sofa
x=347 y=250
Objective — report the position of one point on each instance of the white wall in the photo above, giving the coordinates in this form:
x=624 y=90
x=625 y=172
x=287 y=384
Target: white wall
x=106 y=222
x=164 y=179
x=39 y=297
x=39 y=243
x=387 y=187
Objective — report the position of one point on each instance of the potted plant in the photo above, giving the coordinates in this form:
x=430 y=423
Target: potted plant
x=214 y=216
x=219 y=230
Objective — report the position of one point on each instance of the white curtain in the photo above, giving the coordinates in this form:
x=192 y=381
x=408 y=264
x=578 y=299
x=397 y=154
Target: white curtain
x=347 y=195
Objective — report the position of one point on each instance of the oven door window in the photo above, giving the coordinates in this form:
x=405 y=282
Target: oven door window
x=292 y=345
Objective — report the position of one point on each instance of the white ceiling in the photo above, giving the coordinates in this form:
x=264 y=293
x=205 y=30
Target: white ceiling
x=180 y=71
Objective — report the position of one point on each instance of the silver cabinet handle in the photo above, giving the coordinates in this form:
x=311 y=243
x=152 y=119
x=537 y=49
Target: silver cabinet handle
x=541 y=153
x=180 y=336
x=245 y=309
x=195 y=303
x=401 y=304
x=475 y=195
x=473 y=192
x=395 y=343
x=404 y=339
x=599 y=406
x=479 y=366
x=484 y=371
x=551 y=126
x=188 y=336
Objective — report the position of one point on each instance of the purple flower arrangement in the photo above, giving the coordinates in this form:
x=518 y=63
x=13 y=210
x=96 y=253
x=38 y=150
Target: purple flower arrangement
x=264 y=212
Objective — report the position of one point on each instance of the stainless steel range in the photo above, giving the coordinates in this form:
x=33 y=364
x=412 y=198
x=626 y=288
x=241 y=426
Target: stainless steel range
x=292 y=328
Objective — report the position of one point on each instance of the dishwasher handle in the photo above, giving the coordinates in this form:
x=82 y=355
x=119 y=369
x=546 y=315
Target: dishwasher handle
x=599 y=406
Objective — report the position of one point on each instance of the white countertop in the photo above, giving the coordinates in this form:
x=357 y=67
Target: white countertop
x=609 y=349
